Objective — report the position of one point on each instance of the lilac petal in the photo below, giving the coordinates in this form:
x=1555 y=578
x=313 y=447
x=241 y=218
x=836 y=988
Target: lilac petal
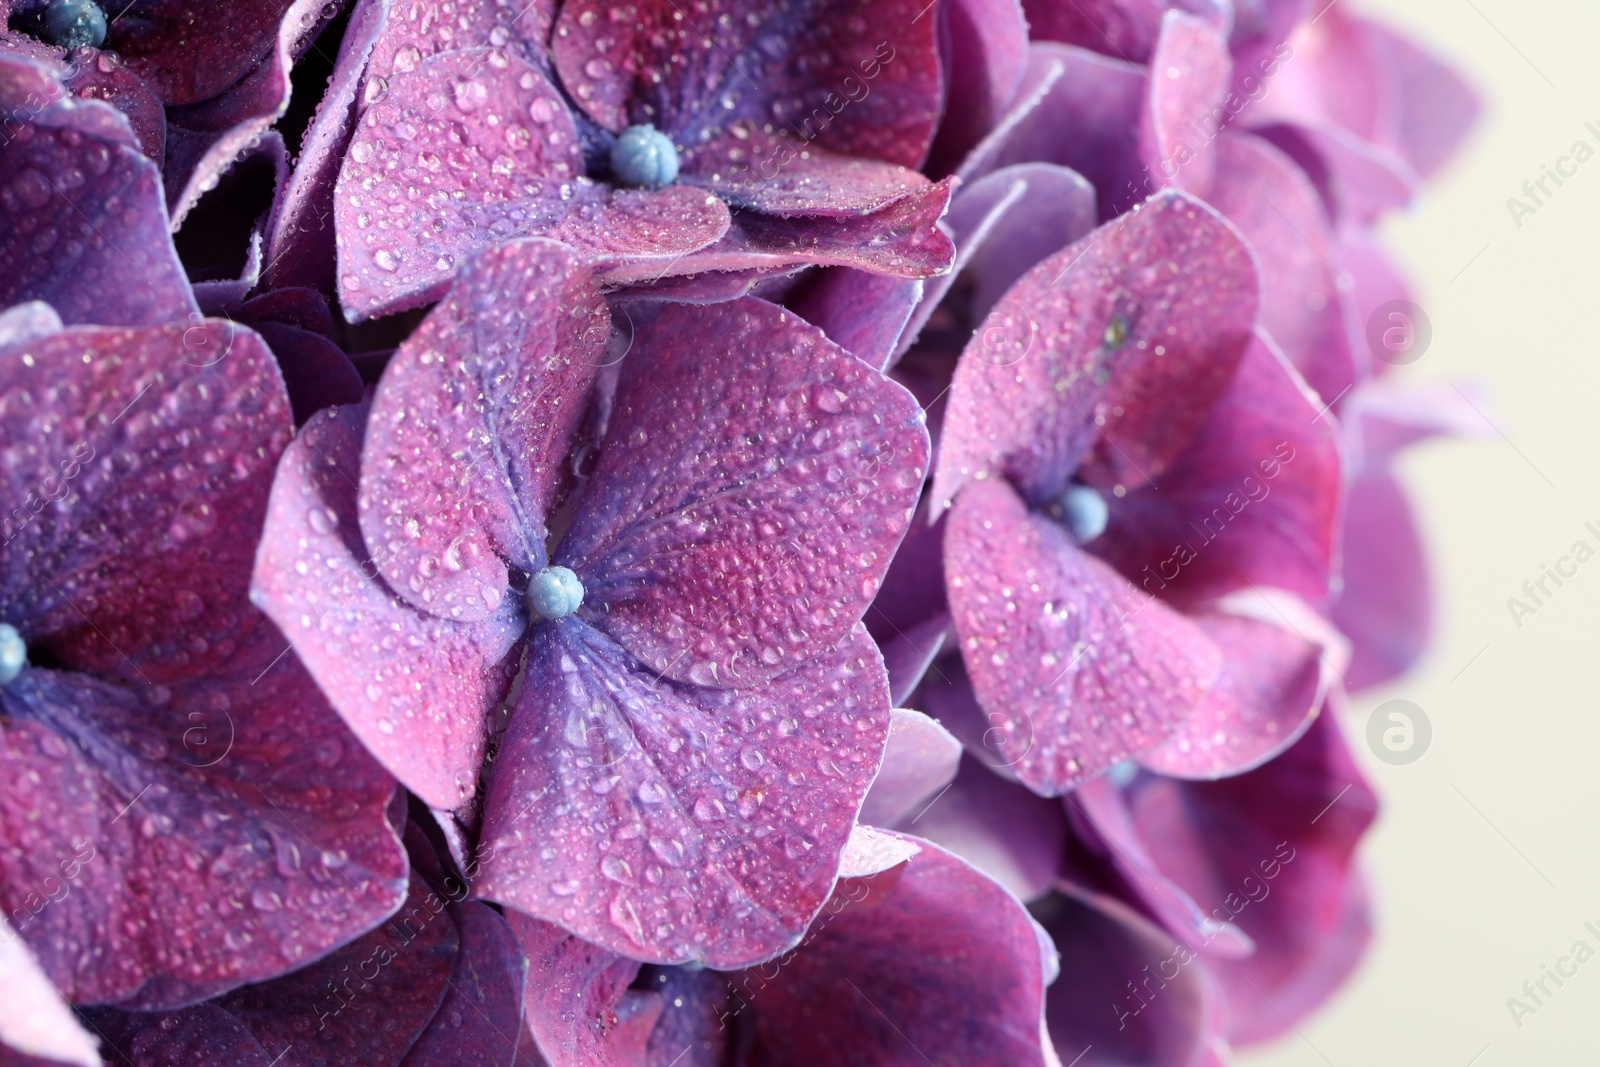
x=303 y=308
x=191 y=50
x=1007 y=832
x=579 y=1006
x=1386 y=606
x=929 y=959
x=787 y=182
x=1270 y=852
x=316 y=371
x=919 y=759
x=87 y=232
x=1002 y=224
x=1358 y=180
x=1088 y=120
x=205 y=137
x=1077 y=668
x=26 y=324
x=36 y=1026
x=912 y=592
x=698 y=1022
x=366 y=1003
x=471 y=424
x=300 y=230
x=96 y=75
x=424 y=711
x=1126 y=29
x=499 y=157
x=477 y=1023
x=1189 y=75
x=860 y=312
x=1127 y=993
x=983 y=50
x=798 y=64
x=1272 y=682
x=599 y=817
x=1117 y=348
x=909 y=654
x=1262 y=192
x=425 y=28
x=1253 y=501
x=1437 y=108
x=871 y=851
x=730 y=495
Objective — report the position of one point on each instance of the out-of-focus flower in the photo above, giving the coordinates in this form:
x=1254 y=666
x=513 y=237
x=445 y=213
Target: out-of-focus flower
x=701 y=712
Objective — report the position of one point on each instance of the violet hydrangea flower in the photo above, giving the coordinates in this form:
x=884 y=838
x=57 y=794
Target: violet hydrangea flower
x=700 y=713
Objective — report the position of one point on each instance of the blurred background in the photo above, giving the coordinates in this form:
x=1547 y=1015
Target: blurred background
x=1486 y=860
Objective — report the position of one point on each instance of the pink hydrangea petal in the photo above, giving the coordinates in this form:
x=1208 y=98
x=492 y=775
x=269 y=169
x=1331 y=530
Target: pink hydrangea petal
x=929 y=958
x=96 y=75
x=1127 y=993
x=36 y=1026
x=161 y=40
x=776 y=178
x=136 y=787
x=1262 y=192
x=425 y=28
x=629 y=235
x=1253 y=501
x=719 y=850
x=1436 y=106
x=1386 y=606
x=733 y=495
x=1272 y=682
x=1117 y=348
x=579 y=1006
x=26 y=324
x=1088 y=120
x=1076 y=668
x=871 y=851
x=300 y=247
x=791 y=63
x=1269 y=851
x=919 y=760
x=86 y=231
x=1125 y=29
x=368 y=1003
x=1358 y=180
x=1189 y=75
x=205 y=137
x=860 y=312
x=417 y=689
x=983 y=50
x=909 y=654
x=128 y=535
x=470 y=427
x=1010 y=834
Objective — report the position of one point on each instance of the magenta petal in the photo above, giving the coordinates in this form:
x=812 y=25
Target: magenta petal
x=630 y=235
x=1278 y=210
x=299 y=233
x=476 y=1025
x=1126 y=29
x=733 y=494
x=1272 y=682
x=191 y=50
x=416 y=689
x=983 y=50
x=862 y=313
x=601 y=818
x=1253 y=501
x=1270 y=852
x=1127 y=993
x=1386 y=606
x=1116 y=350
x=1076 y=668
x=96 y=75
x=470 y=427
x=860 y=78
x=1189 y=75
x=579 y=1006
x=85 y=229
x=919 y=759
x=1010 y=834
x=37 y=1028
x=932 y=959
x=780 y=181
x=422 y=28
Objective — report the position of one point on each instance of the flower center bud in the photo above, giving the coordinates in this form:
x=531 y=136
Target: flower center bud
x=1084 y=512
x=13 y=654
x=554 y=593
x=69 y=24
x=643 y=157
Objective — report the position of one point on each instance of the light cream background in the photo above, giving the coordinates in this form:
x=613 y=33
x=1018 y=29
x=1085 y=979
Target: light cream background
x=1486 y=860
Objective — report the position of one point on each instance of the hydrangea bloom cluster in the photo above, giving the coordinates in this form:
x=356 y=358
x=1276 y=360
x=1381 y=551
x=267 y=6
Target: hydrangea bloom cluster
x=690 y=534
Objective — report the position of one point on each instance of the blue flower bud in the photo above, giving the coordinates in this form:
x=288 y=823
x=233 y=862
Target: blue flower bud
x=643 y=157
